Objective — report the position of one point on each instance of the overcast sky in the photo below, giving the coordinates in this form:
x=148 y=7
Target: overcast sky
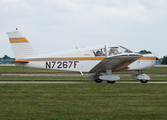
x=56 y=25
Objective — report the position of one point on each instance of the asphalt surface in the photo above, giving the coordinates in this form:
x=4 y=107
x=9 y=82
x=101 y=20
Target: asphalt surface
x=77 y=82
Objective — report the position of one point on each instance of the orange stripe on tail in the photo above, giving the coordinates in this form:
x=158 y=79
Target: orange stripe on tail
x=15 y=40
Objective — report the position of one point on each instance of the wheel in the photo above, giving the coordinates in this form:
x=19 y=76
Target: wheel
x=143 y=81
x=98 y=81
x=110 y=81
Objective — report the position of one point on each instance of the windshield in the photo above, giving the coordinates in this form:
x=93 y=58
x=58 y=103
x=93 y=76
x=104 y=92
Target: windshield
x=110 y=51
x=125 y=50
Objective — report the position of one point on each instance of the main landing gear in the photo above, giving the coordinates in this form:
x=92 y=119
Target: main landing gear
x=109 y=77
x=96 y=77
x=110 y=81
x=98 y=80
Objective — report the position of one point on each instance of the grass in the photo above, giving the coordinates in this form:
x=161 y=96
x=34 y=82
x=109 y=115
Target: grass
x=44 y=79
x=156 y=70
x=83 y=101
x=15 y=69
x=69 y=79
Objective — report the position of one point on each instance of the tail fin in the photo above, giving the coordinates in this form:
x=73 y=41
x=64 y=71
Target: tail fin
x=21 y=46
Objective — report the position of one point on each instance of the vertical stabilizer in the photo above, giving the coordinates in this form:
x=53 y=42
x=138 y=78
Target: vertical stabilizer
x=21 y=46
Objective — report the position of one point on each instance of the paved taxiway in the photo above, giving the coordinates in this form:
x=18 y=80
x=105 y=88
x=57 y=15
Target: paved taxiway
x=76 y=82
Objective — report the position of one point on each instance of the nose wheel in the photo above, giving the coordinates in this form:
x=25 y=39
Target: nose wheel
x=143 y=81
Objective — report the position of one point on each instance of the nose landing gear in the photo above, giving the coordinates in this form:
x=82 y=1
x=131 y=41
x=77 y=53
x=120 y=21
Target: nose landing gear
x=143 y=81
x=141 y=76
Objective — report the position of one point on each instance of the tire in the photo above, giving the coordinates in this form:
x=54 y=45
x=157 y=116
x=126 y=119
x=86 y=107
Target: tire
x=110 y=81
x=143 y=81
x=98 y=81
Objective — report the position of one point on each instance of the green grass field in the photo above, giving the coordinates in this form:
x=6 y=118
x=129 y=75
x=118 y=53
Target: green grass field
x=69 y=79
x=83 y=101
x=15 y=69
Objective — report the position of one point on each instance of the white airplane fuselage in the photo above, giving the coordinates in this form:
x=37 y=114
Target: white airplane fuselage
x=80 y=60
x=96 y=59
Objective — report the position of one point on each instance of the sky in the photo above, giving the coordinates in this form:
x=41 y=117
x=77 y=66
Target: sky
x=57 y=25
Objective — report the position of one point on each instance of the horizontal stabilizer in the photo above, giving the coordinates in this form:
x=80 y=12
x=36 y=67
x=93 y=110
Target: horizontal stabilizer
x=19 y=62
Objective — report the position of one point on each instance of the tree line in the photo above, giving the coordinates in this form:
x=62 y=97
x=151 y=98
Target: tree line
x=163 y=60
x=6 y=57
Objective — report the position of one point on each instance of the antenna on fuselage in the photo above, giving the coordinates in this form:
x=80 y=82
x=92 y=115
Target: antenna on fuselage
x=72 y=46
x=75 y=47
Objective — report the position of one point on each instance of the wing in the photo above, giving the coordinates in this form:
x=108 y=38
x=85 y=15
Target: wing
x=116 y=62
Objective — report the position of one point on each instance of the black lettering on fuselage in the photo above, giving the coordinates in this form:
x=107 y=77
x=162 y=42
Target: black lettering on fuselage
x=48 y=65
x=75 y=63
x=61 y=64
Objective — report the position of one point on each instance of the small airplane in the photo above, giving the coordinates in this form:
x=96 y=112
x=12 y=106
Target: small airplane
x=96 y=59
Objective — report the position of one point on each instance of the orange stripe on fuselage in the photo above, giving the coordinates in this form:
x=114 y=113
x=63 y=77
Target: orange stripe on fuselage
x=147 y=58
x=52 y=59
x=59 y=59
x=15 y=40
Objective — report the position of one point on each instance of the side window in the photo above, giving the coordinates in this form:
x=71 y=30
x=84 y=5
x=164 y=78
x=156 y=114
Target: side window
x=99 y=52
x=113 y=51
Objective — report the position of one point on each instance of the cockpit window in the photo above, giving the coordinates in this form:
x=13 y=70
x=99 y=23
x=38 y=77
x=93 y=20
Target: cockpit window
x=110 y=51
x=126 y=50
x=99 y=52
